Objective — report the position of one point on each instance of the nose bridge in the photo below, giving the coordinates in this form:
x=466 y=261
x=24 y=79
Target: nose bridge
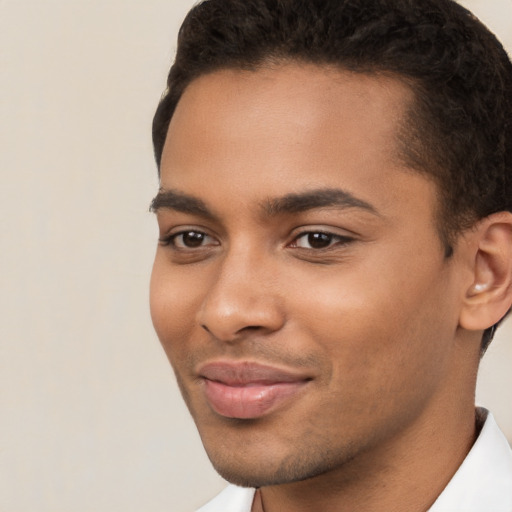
x=242 y=296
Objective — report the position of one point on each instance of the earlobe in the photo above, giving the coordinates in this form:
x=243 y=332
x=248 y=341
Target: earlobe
x=489 y=296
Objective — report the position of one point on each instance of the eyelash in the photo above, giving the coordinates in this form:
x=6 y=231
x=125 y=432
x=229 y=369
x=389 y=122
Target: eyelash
x=170 y=240
x=333 y=240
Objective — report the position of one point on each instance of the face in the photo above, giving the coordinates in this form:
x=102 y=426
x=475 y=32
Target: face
x=300 y=288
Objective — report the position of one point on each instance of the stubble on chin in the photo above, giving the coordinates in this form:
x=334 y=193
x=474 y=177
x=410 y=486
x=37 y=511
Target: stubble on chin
x=305 y=460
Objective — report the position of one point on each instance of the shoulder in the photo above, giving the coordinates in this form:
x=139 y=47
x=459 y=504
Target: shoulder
x=231 y=499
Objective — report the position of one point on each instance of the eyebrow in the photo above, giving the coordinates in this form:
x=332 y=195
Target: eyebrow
x=272 y=207
x=174 y=200
x=319 y=198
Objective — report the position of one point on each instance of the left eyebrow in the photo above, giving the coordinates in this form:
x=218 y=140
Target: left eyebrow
x=319 y=198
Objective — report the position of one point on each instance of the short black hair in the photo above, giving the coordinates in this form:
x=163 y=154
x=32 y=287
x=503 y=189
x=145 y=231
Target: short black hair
x=459 y=128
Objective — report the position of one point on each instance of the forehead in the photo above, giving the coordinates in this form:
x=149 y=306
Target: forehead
x=294 y=98
x=291 y=127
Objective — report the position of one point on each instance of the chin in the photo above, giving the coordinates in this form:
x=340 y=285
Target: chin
x=266 y=471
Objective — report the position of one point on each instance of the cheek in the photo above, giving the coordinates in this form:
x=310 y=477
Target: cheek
x=379 y=327
x=173 y=306
x=382 y=363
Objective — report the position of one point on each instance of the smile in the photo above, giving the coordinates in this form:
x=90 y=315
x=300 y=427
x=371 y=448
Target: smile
x=248 y=390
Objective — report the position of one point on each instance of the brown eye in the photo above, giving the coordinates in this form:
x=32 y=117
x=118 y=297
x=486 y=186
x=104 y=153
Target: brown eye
x=191 y=240
x=314 y=240
x=317 y=240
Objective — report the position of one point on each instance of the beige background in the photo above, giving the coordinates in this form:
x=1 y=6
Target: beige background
x=90 y=415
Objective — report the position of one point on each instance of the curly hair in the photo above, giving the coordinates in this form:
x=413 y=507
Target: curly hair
x=458 y=130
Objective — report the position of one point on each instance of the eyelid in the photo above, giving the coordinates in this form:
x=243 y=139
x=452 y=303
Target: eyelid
x=307 y=230
x=168 y=238
x=336 y=242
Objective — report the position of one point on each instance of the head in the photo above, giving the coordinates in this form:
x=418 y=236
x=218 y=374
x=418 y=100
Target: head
x=332 y=174
x=458 y=129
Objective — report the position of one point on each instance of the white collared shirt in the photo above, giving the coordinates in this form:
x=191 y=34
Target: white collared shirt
x=483 y=483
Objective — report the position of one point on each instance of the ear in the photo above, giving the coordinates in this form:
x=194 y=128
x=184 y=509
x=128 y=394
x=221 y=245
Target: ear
x=489 y=297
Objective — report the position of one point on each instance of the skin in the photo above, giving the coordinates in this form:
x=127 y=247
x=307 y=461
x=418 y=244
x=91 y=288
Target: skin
x=372 y=318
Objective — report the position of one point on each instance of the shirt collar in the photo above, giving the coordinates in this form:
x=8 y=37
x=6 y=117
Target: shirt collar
x=483 y=482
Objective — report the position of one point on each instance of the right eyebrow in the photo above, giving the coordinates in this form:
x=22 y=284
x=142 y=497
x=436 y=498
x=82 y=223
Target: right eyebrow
x=180 y=202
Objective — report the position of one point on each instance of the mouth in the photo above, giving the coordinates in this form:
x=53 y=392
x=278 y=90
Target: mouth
x=247 y=390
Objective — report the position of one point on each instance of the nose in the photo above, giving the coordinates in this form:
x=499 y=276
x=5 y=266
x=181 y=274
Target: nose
x=243 y=298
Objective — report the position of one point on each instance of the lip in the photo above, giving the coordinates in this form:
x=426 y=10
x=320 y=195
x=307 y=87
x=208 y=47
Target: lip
x=247 y=390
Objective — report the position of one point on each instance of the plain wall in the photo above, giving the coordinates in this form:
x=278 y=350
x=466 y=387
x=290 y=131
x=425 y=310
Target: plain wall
x=91 y=419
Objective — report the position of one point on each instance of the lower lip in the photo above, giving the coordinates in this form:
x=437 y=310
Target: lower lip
x=250 y=401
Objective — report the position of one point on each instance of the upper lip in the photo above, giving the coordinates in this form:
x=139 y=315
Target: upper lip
x=246 y=373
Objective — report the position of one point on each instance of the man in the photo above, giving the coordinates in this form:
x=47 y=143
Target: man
x=336 y=250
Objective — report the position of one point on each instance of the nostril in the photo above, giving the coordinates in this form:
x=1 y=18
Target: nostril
x=247 y=328
x=231 y=336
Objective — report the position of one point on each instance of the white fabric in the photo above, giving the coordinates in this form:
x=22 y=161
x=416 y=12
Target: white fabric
x=231 y=499
x=483 y=483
